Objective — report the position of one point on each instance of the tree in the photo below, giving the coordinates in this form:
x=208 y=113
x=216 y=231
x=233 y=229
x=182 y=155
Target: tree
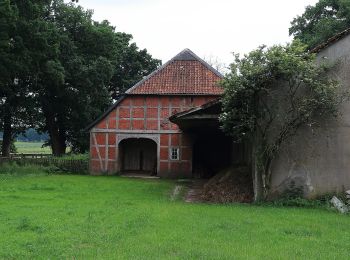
x=217 y=64
x=269 y=94
x=16 y=21
x=59 y=70
x=30 y=135
x=131 y=65
x=7 y=24
x=94 y=64
x=321 y=21
x=13 y=148
x=72 y=85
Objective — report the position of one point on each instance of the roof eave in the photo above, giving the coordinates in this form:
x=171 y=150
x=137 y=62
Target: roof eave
x=188 y=112
x=330 y=41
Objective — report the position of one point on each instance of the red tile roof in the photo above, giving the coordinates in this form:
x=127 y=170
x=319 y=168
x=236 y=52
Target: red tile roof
x=185 y=74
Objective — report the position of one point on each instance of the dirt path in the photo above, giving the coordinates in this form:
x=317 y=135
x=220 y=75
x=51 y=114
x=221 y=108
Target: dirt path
x=194 y=191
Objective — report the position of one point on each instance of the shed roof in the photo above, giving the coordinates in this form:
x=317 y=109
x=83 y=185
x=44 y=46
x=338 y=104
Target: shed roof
x=204 y=116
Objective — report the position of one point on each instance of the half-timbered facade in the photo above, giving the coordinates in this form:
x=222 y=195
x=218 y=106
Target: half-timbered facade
x=135 y=135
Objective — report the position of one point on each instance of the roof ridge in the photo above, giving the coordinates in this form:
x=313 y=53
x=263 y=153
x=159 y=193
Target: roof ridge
x=206 y=64
x=183 y=55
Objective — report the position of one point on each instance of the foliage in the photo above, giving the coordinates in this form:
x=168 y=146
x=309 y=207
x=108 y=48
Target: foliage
x=88 y=58
x=74 y=156
x=59 y=70
x=84 y=217
x=292 y=200
x=14 y=169
x=321 y=21
x=270 y=93
x=49 y=164
x=300 y=203
x=15 y=100
x=132 y=65
x=293 y=197
x=31 y=135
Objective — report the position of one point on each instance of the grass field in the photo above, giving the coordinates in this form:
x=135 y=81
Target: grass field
x=34 y=147
x=31 y=147
x=85 y=217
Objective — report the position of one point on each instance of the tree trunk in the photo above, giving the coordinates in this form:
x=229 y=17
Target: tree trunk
x=256 y=172
x=7 y=135
x=58 y=144
x=267 y=176
x=57 y=137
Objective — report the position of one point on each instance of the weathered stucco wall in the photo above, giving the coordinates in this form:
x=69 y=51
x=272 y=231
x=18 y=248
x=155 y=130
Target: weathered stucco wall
x=318 y=158
x=144 y=116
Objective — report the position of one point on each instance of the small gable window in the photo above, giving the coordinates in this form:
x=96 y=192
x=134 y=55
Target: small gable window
x=174 y=153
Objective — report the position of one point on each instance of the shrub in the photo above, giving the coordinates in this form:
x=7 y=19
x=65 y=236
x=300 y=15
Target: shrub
x=300 y=202
x=13 y=168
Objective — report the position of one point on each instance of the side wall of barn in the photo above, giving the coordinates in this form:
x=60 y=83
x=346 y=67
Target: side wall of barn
x=141 y=116
x=317 y=159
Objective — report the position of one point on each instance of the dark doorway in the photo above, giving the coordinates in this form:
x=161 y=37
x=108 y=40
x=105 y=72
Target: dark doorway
x=212 y=152
x=138 y=155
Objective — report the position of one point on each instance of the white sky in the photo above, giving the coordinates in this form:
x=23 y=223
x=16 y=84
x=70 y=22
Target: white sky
x=211 y=29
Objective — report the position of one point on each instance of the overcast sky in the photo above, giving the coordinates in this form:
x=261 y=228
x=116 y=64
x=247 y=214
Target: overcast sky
x=211 y=29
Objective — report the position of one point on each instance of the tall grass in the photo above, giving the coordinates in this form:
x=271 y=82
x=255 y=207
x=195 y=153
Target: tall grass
x=12 y=168
x=73 y=156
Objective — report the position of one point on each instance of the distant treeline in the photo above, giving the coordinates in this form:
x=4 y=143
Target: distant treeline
x=31 y=136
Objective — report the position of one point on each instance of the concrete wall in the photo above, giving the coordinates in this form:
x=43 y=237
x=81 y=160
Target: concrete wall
x=142 y=116
x=318 y=158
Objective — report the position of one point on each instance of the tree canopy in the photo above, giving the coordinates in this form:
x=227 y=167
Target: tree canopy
x=270 y=93
x=321 y=21
x=17 y=23
x=59 y=69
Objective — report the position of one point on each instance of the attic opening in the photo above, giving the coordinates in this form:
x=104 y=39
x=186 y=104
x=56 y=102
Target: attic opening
x=138 y=156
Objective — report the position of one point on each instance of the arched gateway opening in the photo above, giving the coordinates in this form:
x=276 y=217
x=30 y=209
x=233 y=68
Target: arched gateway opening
x=138 y=156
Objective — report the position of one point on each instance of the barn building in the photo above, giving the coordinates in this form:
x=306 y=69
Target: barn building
x=167 y=125
x=164 y=125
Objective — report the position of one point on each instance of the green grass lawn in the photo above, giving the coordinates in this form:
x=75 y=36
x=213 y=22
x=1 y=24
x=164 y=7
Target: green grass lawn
x=86 y=217
x=32 y=147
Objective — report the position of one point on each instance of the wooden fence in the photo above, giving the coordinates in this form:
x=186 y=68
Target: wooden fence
x=29 y=155
x=76 y=166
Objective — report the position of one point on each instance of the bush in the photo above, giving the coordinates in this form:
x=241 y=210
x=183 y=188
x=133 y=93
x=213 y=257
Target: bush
x=300 y=203
x=74 y=156
x=13 y=168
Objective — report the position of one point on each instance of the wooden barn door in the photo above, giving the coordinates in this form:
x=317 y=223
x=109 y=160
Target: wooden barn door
x=131 y=156
x=148 y=156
